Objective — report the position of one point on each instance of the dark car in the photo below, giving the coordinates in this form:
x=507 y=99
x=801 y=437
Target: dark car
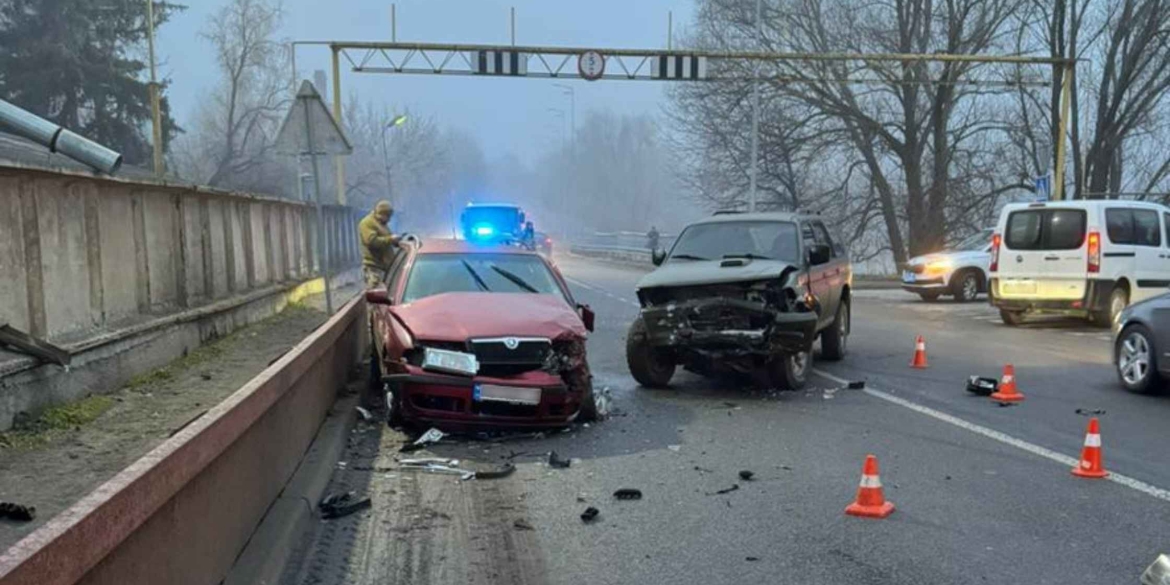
x=743 y=293
x=1141 y=345
x=468 y=336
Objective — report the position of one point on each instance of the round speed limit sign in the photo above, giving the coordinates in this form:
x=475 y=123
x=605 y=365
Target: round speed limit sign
x=591 y=65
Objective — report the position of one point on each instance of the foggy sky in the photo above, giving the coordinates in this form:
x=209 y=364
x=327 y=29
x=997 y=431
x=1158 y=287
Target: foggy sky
x=508 y=115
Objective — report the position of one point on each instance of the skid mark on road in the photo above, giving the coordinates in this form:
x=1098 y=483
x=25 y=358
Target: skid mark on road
x=1002 y=438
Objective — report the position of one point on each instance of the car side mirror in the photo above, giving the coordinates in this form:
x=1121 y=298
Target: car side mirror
x=587 y=316
x=658 y=256
x=819 y=254
x=378 y=296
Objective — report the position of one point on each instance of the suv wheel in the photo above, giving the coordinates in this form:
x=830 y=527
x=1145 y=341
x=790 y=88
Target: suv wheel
x=1012 y=318
x=1137 y=365
x=834 y=340
x=790 y=371
x=651 y=367
x=966 y=287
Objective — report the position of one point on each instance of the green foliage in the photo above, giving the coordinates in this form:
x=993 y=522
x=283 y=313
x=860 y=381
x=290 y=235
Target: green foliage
x=55 y=421
x=83 y=64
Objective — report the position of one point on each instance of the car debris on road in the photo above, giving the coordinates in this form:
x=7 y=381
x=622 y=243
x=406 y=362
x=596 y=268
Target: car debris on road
x=590 y=514
x=17 y=512
x=628 y=494
x=340 y=505
x=556 y=462
x=746 y=475
x=982 y=386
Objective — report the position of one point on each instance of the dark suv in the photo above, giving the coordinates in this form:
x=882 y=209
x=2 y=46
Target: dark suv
x=743 y=293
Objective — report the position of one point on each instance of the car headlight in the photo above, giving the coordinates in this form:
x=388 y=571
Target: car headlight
x=939 y=266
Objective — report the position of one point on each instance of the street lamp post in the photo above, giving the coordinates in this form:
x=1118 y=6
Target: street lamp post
x=560 y=114
x=755 y=119
x=569 y=91
x=395 y=122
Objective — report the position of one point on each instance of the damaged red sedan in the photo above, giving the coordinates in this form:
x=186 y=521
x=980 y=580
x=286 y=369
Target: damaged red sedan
x=469 y=336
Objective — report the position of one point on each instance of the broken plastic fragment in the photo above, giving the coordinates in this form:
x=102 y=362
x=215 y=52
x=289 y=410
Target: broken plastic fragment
x=590 y=514
x=602 y=399
x=746 y=475
x=522 y=524
x=558 y=463
x=431 y=436
x=733 y=487
x=628 y=494
x=858 y=385
x=339 y=505
x=366 y=416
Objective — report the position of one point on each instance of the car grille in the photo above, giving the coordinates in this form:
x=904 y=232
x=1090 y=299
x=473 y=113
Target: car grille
x=495 y=352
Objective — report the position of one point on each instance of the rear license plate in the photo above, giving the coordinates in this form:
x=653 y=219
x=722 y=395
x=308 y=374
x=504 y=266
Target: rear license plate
x=509 y=394
x=908 y=276
x=454 y=362
x=1019 y=287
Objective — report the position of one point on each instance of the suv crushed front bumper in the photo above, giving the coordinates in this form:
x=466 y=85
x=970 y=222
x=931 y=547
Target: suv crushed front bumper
x=674 y=326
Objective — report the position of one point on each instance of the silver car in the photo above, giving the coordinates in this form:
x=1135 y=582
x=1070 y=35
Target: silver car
x=1141 y=344
x=960 y=271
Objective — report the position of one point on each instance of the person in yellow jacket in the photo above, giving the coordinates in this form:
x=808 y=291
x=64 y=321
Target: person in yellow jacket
x=379 y=246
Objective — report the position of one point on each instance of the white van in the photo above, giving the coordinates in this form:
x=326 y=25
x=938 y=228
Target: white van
x=1086 y=258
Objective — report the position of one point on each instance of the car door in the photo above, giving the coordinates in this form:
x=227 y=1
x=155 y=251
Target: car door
x=818 y=278
x=1149 y=255
x=1119 y=254
x=835 y=271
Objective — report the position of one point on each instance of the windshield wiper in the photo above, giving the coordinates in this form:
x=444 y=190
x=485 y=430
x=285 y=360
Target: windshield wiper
x=686 y=257
x=515 y=279
x=748 y=255
x=479 y=281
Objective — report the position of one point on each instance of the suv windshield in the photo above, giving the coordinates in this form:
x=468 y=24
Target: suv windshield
x=974 y=242
x=434 y=274
x=772 y=240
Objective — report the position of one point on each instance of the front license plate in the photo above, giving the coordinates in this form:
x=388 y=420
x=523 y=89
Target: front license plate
x=908 y=276
x=509 y=394
x=454 y=362
x=1019 y=287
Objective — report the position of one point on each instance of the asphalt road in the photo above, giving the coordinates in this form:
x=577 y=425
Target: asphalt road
x=983 y=493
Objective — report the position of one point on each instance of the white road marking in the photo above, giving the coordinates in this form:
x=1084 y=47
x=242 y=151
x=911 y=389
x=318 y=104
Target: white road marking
x=1003 y=438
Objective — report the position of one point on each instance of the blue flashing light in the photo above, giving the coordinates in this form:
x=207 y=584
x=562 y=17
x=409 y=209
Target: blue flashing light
x=484 y=230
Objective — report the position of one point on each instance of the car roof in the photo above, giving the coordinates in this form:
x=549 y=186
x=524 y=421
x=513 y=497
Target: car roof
x=762 y=216
x=450 y=246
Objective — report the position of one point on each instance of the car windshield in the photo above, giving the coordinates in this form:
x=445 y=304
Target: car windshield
x=434 y=274
x=974 y=242
x=772 y=240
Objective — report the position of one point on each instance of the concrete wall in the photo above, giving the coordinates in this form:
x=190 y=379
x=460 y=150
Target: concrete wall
x=80 y=254
x=183 y=513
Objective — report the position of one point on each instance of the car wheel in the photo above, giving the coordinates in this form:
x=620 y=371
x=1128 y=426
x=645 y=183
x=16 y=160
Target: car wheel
x=651 y=367
x=929 y=297
x=790 y=371
x=835 y=339
x=1136 y=359
x=588 y=412
x=1118 y=301
x=966 y=287
x=1012 y=318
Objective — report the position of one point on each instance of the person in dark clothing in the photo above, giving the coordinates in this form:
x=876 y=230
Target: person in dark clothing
x=652 y=238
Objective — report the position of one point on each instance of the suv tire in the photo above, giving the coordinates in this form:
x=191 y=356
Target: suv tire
x=835 y=338
x=648 y=365
x=790 y=371
x=1011 y=318
x=966 y=286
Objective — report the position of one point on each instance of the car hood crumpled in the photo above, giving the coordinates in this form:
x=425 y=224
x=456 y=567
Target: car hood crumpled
x=700 y=272
x=457 y=317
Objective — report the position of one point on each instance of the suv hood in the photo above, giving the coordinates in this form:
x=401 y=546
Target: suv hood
x=457 y=317
x=700 y=272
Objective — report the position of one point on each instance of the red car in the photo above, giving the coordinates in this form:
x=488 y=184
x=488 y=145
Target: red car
x=468 y=336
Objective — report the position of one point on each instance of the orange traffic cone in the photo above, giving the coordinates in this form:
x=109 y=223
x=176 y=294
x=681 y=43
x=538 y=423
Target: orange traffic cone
x=919 y=360
x=871 y=503
x=1007 y=387
x=1091 y=466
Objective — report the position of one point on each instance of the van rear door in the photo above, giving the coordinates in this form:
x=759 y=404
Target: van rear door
x=1043 y=254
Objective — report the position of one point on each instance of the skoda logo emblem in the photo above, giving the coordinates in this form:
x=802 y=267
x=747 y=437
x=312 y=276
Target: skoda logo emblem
x=511 y=342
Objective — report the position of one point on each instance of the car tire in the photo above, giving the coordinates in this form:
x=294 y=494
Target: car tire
x=1136 y=360
x=1118 y=301
x=966 y=286
x=835 y=338
x=929 y=297
x=790 y=371
x=648 y=365
x=1011 y=318
x=588 y=411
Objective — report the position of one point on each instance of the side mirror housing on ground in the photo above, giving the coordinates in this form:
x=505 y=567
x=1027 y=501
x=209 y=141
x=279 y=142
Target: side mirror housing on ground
x=587 y=316
x=658 y=256
x=378 y=296
x=819 y=254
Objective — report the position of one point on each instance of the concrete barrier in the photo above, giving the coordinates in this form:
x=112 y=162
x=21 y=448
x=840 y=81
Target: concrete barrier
x=182 y=514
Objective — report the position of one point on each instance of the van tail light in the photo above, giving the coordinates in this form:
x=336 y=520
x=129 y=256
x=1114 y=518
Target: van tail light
x=996 y=239
x=1094 y=252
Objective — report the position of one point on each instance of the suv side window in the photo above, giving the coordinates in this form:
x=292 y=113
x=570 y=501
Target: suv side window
x=1119 y=224
x=1146 y=229
x=822 y=236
